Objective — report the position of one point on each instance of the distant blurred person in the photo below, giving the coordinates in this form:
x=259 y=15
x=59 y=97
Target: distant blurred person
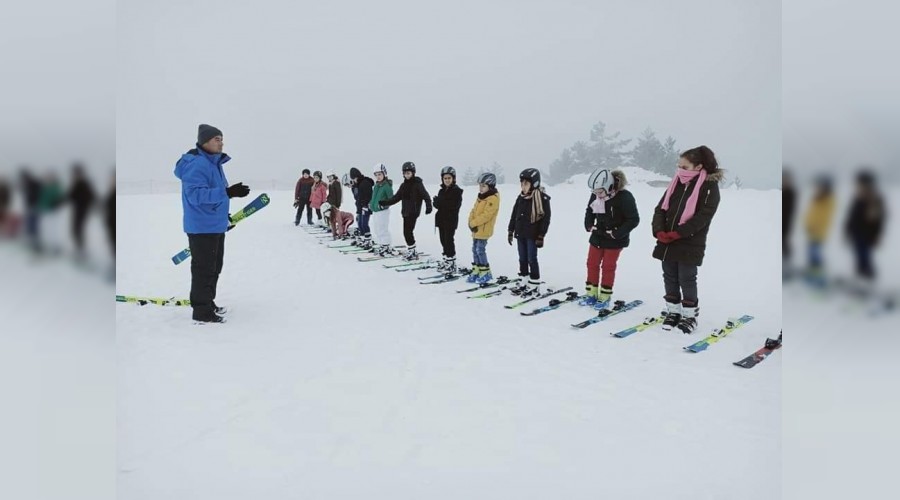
x=865 y=224
x=819 y=216
x=109 y=215
x=52 y=198
x=31 y=194
x=82 y=197
x=302 y=193
x=5 y=203
x=788 y=208
x=205 y=196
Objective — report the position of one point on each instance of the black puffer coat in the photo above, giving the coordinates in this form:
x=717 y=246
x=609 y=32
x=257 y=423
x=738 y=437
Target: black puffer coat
x=691 y=247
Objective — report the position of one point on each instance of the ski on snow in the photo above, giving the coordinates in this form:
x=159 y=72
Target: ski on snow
x=619 y=306
x=260 y=202
x=571 y=298
x=719 y=333
x=640 y=327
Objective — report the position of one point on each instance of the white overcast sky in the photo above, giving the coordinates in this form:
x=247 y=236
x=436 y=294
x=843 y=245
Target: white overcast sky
x=332 y=85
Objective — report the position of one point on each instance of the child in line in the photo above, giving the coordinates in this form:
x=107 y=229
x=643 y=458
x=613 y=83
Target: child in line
x=528 y=224
x=610 y=216
x=339 y=220
x=412 y=191
x=381 y=216
x=363 y=187
x=335 y=191
x=482 y=219
x=318 y=195
x=680 y=224
x=447 y=202
x=302 y=193
x=819 y=216
x=864 y=227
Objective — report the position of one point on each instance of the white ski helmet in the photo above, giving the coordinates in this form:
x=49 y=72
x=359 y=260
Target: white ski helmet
x=326 y=208
x=601 y=179
x=379 y=167
x=331 y=174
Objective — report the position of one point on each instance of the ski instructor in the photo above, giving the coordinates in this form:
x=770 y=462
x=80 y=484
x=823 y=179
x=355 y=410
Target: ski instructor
x=205 y=198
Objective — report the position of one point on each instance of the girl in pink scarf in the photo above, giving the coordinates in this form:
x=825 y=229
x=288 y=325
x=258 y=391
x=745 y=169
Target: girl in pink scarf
x=680 y=224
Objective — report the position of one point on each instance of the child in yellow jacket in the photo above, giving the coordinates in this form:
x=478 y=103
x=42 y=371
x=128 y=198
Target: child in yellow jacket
x=481 y=222
x=818 y=222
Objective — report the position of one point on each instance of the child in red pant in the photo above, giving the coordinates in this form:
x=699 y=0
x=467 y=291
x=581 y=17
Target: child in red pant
x=610 y=217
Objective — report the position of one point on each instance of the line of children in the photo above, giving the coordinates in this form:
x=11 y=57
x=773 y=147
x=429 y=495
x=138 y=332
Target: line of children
x=447 y=202
x=610 y=216
x=412 y=192
x=680 y=224
x=528 y=224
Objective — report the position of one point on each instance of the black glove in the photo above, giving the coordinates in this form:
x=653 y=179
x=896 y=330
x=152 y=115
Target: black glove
x=473 y=229
x=381 y=203
x=509 y=237
x=427 y=210
x=539 y=242
x=296 y=203
x=238 y=190
x=434 y=201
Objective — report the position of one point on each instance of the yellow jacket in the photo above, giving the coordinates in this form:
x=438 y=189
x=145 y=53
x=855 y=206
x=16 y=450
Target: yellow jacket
x=818 y=218
x=484 y=215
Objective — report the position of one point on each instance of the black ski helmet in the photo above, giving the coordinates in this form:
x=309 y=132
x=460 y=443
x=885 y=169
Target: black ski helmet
x=533 y=176
x=409 y=167
x=317 y=173
x=487 y=178
x=448 y=170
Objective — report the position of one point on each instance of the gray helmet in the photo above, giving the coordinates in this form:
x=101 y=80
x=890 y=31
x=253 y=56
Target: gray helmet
x=487 y=178
x=601 y=179
x=533 y=176
x=448 y=170
x=409 y=167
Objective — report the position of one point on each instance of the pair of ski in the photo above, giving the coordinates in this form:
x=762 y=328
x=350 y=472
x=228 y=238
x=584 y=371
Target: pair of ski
x=618 y=307
x=373 y=258
x=757 y=357
x=254 y=206
x=699 y=346
x=439 y=279
x=414 y=265
x=159 y=301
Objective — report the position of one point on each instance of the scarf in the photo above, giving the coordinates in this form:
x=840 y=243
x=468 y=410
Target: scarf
x=599 y=204
x=490 y=192
x=537 y=205
x=684 y=177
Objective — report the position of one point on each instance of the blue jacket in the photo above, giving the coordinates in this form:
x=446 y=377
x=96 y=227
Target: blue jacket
x=203 y=195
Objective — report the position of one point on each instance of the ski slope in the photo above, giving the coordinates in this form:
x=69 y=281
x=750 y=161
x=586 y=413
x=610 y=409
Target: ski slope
x=340 y=379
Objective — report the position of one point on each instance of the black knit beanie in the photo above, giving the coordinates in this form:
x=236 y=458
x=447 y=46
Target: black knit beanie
x=206 y=132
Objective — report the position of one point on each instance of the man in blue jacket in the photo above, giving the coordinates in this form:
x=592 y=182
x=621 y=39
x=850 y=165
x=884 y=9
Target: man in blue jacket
x=205 y=198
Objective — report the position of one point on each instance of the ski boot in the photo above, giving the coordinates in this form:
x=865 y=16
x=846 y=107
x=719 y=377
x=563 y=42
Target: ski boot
x=473 y=276
x=590 y=295
x=604 y=295
x=689 y=312
x=485 y=276
x=673 y=314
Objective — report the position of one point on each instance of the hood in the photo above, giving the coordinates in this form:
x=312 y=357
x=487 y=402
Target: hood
x=355 y=173
x=193 y=155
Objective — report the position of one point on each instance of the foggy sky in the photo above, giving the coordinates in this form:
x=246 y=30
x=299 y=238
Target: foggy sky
x=333 y=85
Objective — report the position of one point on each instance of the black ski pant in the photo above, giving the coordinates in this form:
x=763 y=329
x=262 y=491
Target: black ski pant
x=207 y=252
x=79 y=217
x=681 y=281
x=409 y=226
x=447 y=235
x=300 y=208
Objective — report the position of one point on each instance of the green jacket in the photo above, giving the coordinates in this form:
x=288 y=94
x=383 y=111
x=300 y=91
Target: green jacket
x=381 y=191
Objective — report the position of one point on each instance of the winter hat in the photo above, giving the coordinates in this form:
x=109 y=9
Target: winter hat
x=355 y=173
x=206 y=132
x=305 y=171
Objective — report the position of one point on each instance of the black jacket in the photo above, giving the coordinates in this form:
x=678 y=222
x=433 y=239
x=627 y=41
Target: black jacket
x=82 y=197
x=335 y=193
x=866 y=220
x=520 y=220
x=788 y=206
x=448 y=202
x=364 y=187
x=621 y=218
x=412 y=192
x=691 y=247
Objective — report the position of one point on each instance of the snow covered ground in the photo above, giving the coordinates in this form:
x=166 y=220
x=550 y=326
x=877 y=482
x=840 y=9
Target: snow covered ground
x=340 y=379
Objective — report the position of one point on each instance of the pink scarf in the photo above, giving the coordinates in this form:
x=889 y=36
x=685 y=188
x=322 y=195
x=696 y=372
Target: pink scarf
x=684 y=177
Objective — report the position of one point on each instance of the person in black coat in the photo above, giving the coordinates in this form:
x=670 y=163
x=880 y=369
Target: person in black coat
x=610 y=216
x=363 y=187
x=680 y=224
x=447 y=203
x=82 y=197
x=528 y=224
x=412 y=192
x=788 y=208
x=302 y=194
x=865 y=223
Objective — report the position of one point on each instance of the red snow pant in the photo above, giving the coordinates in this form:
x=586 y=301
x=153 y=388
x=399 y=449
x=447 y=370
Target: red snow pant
x=602 y=259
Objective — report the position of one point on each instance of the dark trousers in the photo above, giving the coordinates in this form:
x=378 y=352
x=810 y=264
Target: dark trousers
x=528 y=263
x=447 y=235
x=79 y=217
x=207 y=253
x=681 y=281
x=864 y=265
x=362 y=222
x=409 y=225
x=300 y=213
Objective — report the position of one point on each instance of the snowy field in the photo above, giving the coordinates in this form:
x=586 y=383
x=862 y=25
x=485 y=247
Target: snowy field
x=340 y=379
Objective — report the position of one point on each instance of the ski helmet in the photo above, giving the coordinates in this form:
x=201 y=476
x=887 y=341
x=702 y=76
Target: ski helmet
x=601 y=179
x=345 y=180
x=448 y=170
x=326 y=208
x=379 y=167
x=487 y=178
x=331 y=174
x=317 y=173
x=409 y=167
x=533 y=176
